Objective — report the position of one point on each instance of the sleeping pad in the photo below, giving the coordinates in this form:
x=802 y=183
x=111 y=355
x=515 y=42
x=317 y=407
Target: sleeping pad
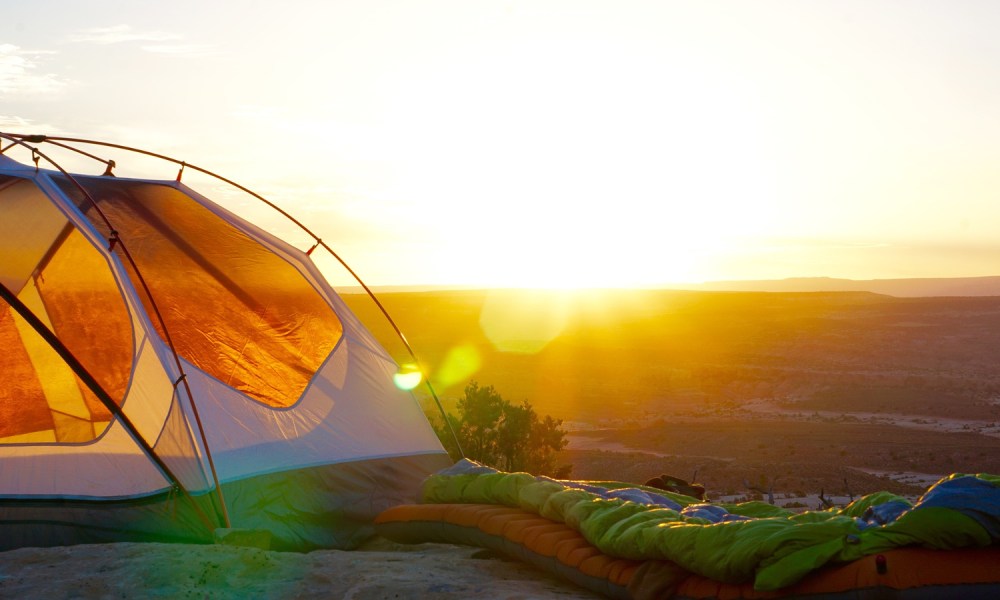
x=755 y=542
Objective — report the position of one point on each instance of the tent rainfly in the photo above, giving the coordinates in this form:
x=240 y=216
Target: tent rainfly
x=168 y=369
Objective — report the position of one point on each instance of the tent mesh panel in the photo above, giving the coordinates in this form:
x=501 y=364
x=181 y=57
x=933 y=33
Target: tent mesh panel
x=68 y=285
x=233 y=307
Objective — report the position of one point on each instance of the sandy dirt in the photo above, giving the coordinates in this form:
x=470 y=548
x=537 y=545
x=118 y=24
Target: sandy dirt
x=381 y=570
x=940 y=424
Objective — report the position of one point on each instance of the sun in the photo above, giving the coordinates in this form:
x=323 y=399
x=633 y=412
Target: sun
x=510 y=169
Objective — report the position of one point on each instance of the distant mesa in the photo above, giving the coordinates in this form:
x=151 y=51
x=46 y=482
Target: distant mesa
x=903 y=288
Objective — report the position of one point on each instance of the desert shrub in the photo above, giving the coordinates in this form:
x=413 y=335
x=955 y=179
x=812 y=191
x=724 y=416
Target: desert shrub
x=505 y=436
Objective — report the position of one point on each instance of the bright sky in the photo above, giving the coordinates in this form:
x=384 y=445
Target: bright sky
x=547 y=143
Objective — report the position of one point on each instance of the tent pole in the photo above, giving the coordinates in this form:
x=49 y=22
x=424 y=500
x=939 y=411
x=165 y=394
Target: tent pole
x=114 y=241
x=399 y=333
x=57 y=141
x=95 y=387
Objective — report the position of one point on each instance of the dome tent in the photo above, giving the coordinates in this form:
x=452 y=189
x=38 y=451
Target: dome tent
x=169 y=368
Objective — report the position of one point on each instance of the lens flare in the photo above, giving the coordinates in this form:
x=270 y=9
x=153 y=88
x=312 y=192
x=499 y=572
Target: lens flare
x=408 y=377
x=459 y=365
x=523 y=322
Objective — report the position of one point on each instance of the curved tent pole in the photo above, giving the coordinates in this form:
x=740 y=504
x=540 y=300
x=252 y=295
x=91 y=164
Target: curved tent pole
x=109 y=164
x=55 y=140
x=46 y=334
x=399 y=333
x=117 y=241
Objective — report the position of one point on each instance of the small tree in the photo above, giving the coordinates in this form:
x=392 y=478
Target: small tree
x=505 y=436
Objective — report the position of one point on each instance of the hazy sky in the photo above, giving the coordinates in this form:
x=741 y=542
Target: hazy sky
x=555 y=143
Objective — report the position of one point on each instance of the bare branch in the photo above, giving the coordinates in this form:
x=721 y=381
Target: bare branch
x=827 y=503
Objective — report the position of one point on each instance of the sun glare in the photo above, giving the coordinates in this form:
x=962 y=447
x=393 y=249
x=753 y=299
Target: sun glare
x=408 y=377
x=508 y=174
